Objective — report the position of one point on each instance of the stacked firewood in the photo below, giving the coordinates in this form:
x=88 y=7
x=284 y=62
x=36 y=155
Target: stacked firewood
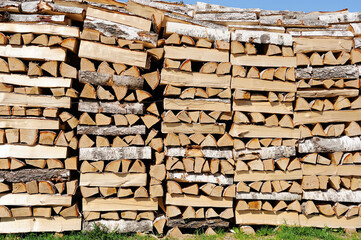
x=38 y=162
x=117 y=119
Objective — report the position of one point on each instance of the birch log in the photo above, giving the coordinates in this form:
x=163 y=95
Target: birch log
x=27 y=175
x=105 y=79
x=262 y=37
x=200 y=178
x=269 y=152
x=111 y=130
x=120 y=226
x=110 y=153
x=205 y=152
x=196 y=224
x=345 y=72
x=331 y=195
x=281 y=196
x=341 y=144
x=110 y=107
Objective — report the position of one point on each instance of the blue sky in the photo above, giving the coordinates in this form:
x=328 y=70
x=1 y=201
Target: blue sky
x=295 y=5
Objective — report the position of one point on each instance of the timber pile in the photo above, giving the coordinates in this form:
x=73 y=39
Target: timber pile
x=38 y=161
x=117 y=119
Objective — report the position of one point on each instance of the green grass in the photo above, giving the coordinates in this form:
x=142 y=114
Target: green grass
x=263 y=233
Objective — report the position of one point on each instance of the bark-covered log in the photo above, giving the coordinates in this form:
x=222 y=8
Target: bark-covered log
x=200 y=178
x=269 y=152
x=332 y=195
x=105 y=79
x=207 y=153
x=324 y=33
x=235 y=16
x=164 y=6
x=341 y=144
x=345 y=72
x=342 y=17
x=27 y=175
x=112 y=29
x=202 y=7
x=284 y=196
x=110 y=153
x=110 y=107
x=111 y=130
x=120 y=226
x=204 y=223
x=59 y=19
x=262 y=37
x=357 y=42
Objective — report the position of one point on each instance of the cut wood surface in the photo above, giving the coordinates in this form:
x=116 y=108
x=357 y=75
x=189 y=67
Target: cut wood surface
x=221 y=105
x=198 y=201
x=102 y=52
x=120 y=204
x=114 y=153
x=110 y=130
x=308 y=117
x=255 y=131
x=262 y=85
x=193 y=79
x=331 y=195
x=282 y=196
x=36 y=152
x=200 y=178
x=110 y=107
x=327 y=93
x=262 y=37
x=51 y=29
x=266 y=218
x=196 y=54
x=14 y=99
x=113 y=179
x=21 y=199
x=330 y=170
x=263 y=107
x=274 y=152
x=120 y=226
x=29 y=123
x=105 y=79
x=249 y=176
x=190 y=128
x=33 y=53
x=322 y=221
x=263 y=61
x=40 y=224
x=305 y=45
x=27 y=175
x=24 y=80
x=195 y=31
x=341 y=144
x=208 y=153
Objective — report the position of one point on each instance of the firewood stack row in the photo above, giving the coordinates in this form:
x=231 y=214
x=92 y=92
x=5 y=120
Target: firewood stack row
x=117 y=115
x=39 y=181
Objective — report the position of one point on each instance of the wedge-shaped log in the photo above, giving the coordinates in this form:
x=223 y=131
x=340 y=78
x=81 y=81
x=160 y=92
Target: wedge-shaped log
x=341 y=144
x=198 y=201
x=109 y=153
x=221 y=105
x=33 y=53
x=196 y=54
x=51 y=29
x=102 y=52
x=120 y=204
x=262 y=37
x=113 y=179
x=40 y=224
x=36 y=152
x=20 y=199
x=190 y=128
x=29 y=123
x=193 y=79
x=255 y=131
x=263 y=61
x=262 y=85
x=110 y=131
x=14 y=99
x=305 y=45
x=263 y=107
x=200 y=178
x=120 y=226
x=308 y=117
x=250 y=176
x=105 y=79
x=110 y=107
x=46 y=82
x=269 y=152
x=27 y=175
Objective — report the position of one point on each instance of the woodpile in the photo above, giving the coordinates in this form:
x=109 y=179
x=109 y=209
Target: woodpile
x=38 y=55
x=151 y=115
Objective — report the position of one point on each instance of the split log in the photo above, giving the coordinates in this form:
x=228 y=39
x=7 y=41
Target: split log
x=51 y=29
x=189 y=128
x=305 y=45
x=254 y=131
x=308 y=117
x=263 y=107
x=262 y=85
x=113 y=179
x=35 y=152
x=120 y=204
x=198 y=201
x=267 y=176
x=14 y=99
x=33 y=53
x=266 y=218
x=263 y=61
x=196 y=54
x=327 y=93
x=24 y=199
x=222 y=105
x=29 y=123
